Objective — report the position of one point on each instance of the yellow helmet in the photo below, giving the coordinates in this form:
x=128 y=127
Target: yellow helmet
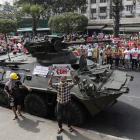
x=13 y=76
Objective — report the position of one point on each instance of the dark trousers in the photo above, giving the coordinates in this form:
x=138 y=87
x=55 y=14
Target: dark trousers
x=117 y=62
x=134 y=61
x=122 y=62
x=109 y=60
x=60 y=109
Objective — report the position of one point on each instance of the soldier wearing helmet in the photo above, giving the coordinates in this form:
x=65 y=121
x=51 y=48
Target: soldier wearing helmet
x=12 y=90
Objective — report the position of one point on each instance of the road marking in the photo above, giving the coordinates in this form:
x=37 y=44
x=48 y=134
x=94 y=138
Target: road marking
x=131 y=96
x=109 y=136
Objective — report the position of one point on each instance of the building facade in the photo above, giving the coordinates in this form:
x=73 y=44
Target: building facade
x=102 y=9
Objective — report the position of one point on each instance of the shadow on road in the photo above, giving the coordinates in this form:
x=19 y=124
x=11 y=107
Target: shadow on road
x=122 y=120
x=28 y=124
x=77 y=136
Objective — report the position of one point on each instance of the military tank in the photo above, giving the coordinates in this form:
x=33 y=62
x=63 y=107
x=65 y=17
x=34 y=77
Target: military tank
x=97 y=86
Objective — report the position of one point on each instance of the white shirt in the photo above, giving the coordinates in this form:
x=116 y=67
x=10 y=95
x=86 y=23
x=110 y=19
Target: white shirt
x=90 y=52
x=135 y=54
x=127 y=54
x=1 y=48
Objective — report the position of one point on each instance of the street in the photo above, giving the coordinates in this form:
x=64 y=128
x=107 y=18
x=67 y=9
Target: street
x=120 y=121
x=123 y=119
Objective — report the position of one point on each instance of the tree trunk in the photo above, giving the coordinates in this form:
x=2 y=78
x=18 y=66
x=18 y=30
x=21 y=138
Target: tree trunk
x=116 y=21
x=116 y=27
x=5 y=38
x=34 y=29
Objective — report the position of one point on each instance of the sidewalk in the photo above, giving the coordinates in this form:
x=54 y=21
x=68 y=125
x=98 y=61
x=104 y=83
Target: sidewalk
x=30 y=127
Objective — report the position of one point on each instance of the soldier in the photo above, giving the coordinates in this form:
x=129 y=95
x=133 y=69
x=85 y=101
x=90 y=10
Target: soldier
x=117 y=55
x=12 y=90
x=108 y=53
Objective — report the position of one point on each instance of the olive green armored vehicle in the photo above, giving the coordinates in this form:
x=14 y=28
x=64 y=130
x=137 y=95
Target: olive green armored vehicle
x=97 y=87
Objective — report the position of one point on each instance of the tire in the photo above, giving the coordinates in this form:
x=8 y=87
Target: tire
x=4 y=100
x=36 y=105
x=77 y=114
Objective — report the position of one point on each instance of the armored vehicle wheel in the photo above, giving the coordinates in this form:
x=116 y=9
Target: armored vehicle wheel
x=77 y=114
x=36 y=105
x=4 y=101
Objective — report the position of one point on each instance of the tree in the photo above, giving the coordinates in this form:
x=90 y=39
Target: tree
x=33 y=11
x=56 y=6
x=8 y=11
x=117 y=8
x=68 y=22
x=7 y=26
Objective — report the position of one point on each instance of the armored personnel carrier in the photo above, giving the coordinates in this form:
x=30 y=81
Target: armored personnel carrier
x=97 y=86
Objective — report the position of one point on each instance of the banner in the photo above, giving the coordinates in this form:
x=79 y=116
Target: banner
x=131 y=47
x=100 y=35
x=82 y=52
x=61 y=69
x=117 y=39
x=39 y=70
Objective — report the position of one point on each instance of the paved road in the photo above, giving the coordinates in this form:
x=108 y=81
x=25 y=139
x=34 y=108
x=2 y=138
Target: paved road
x=123 y=119
x=29 y=127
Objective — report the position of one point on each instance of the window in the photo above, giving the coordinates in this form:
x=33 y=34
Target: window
x=129 y=8
x=102 y=1
x=129 y=16
x=102 y=9
x=83 y=10
x=93 y=10
x=102 y=17
x=93 y=1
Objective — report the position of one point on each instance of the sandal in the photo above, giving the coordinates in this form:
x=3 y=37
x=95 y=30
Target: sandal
x=19 y=114
x=70 y=129
x=59 y=130
x=15 y=118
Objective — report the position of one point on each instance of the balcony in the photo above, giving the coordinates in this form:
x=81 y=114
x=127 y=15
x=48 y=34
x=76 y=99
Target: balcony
x=128 y=13
x=103 y=14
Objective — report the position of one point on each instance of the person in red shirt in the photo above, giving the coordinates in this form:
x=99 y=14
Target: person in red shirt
x=12 y=90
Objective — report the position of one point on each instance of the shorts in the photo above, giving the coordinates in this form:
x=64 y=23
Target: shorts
x=17 y=101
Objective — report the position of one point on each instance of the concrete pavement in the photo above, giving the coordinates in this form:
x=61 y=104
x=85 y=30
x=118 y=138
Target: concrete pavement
x=30 y=127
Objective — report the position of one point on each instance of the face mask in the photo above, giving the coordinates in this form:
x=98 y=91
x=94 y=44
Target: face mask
x=62 y=83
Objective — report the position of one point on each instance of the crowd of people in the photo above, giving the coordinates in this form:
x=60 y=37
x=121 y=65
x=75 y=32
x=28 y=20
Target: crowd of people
x=12 y=45
x=111 y=54
x=102 y=53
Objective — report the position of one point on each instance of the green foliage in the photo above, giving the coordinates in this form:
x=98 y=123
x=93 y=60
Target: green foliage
x=68 y=22
x=117 y=8
x=55 y=6
x=8 y=11
x=7 y=26
x=33 y=11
